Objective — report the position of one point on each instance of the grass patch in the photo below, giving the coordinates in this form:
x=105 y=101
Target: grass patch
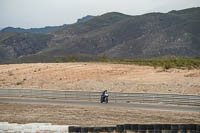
x=166 y=63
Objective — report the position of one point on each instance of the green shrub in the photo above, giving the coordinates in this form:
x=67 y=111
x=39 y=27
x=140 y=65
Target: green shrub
x=167 y=66
x=18 y=83
x=104 y=58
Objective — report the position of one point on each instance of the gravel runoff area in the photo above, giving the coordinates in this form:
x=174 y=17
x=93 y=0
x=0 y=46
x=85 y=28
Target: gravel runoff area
x=90 y=116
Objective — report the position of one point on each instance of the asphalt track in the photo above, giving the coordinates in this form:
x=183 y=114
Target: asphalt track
x=95 y=104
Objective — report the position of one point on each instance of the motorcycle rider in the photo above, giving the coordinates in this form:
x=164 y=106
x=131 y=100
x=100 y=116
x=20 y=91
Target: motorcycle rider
x=104 y=95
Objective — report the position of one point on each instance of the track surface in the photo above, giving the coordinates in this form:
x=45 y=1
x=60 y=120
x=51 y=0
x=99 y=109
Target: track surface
x=95 y=104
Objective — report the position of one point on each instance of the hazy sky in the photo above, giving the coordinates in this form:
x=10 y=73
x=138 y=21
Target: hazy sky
x=40 y=13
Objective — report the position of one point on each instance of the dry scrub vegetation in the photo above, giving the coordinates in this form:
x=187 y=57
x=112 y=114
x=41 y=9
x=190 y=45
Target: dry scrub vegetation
x=71 y=115
x=100 y=76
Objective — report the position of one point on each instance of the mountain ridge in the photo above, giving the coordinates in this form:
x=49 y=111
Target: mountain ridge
x=43 y=30
x=152 y=35
x=137 y=27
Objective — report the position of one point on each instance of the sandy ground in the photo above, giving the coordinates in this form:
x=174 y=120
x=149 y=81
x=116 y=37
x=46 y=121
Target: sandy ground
x=100 y=76
x=71 y=115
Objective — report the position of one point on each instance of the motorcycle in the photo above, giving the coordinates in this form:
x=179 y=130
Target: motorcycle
x=104 y=98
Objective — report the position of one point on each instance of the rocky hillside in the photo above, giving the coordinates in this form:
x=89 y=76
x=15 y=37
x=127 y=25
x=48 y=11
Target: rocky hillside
x=85 y=19
x=176 y=33
x=14 y=45
x=23 y=43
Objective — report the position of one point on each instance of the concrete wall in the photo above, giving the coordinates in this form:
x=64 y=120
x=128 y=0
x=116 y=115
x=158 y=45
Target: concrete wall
x=6 y=127
x=140 y=128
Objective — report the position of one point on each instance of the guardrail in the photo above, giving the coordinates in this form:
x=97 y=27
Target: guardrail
x=94 y=96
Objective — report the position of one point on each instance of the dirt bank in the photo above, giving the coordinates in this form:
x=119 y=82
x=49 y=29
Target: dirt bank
x=100 y=76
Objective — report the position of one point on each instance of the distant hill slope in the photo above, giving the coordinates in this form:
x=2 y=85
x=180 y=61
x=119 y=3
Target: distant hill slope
x=176 y=33
x=14 y=45
x=43 y=30
x=85 y=19
x=19 y=42
x=33 y=30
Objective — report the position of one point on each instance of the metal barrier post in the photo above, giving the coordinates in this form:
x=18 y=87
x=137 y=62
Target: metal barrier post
x=115 y=99
x=90 y=96
x=65 y=95
x=19 y=93
x=143 y=99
